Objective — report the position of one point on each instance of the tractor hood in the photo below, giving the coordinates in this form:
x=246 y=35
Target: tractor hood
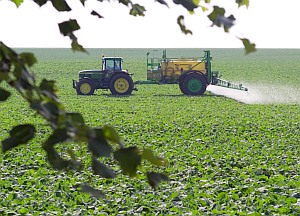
x=89 y=71
x=98 y=71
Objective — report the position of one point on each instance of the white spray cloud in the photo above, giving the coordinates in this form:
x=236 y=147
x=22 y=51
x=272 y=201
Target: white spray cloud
x=260 y=94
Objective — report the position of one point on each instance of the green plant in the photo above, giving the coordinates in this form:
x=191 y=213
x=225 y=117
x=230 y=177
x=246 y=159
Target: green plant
x=225 y=157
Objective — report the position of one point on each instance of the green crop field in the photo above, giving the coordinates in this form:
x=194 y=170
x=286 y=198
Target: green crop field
x=227 y=156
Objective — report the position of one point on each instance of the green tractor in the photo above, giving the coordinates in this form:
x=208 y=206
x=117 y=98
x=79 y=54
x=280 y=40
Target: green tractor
x=111 y=77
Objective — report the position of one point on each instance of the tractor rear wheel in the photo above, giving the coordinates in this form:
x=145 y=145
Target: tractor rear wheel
x=121 y=84
x=193 y=84
x=85 y=87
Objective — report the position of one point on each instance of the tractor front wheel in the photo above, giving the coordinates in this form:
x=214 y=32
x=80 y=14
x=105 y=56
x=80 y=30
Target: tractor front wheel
x=85 y=87
x=121 y=84
x=193 y=84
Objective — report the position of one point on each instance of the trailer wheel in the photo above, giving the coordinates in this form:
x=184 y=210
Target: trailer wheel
x=181 y=79
x=85 y=87
x=193 y=84
x=121 y=84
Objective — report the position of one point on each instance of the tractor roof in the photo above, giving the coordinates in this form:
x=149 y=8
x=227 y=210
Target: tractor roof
x=112 y=58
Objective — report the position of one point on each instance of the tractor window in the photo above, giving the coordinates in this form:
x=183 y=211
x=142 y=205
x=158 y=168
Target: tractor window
x=118 y=64
x=109 y=64
x=112 y=64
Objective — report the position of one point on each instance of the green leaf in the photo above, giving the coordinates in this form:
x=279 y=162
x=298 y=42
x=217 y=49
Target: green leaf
x=249 y=47
x=28 y=58
x=125 y=2
x=40 y=2
x=61 y=5
x=217 y=12
x=50 y=111
x=17 y=2
x=137 y=10
x=188 y=4
x=129 y=160
x=54 y=159
x=174 y=194
x=72 y=154
x=148 y=155
x=58 y=162
x=77 y=47
x=75 y=119
x=196 y=2
x=218 y=18
x=163 y=2
x=242 y=2
x=48 y=85
x=111 y=134
x=101 y=169
x=7 y=58
x=82 y=2
x=97 y=143
x=48 y=89
x=20 y=134
x=92 y=191
x=67 y=27
x=58 y=136
x=4 y=94
x=24 y=79
x=96 y=14
x=155 y=178
x=180 y=22
x=7 y=53
x=204 y=9
x=23 y=210
x=4 y=66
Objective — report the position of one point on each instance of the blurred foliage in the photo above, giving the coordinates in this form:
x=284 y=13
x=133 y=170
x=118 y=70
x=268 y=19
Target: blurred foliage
x=70 y=127
x=66 y=126
x=217 y=16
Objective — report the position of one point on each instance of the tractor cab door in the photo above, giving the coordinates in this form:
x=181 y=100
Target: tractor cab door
x=118 y=64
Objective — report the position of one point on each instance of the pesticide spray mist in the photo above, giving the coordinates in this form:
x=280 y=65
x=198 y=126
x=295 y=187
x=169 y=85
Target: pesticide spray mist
x=260 y=94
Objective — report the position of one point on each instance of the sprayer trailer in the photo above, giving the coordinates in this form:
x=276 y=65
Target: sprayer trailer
x=191 y=74
x=111 y=77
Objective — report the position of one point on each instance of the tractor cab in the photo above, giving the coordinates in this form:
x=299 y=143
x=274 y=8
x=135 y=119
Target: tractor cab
x=112 y=63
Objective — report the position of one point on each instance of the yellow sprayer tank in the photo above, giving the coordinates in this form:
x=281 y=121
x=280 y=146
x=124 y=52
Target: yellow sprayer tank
x=173 y=68
x=193 y=75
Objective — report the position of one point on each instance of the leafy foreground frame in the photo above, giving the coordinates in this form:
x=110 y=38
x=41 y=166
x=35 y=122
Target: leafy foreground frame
x=217 y=16
x=68 y=127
